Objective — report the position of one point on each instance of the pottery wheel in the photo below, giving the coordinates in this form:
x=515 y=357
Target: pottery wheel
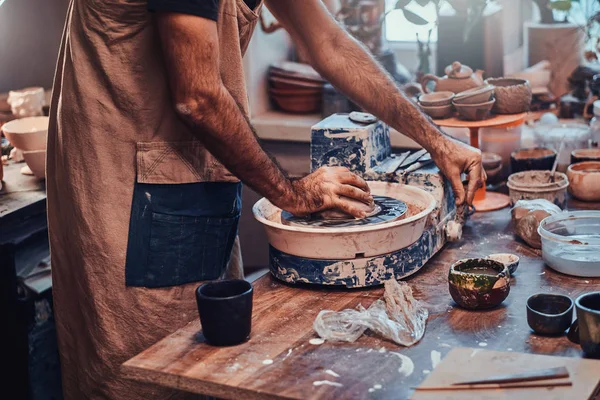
x=387 y=209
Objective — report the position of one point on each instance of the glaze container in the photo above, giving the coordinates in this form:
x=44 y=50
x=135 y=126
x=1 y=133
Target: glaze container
x=478 y=283
x=510 y=260
x=584 y=180
x=531 y=185
x=539 y=159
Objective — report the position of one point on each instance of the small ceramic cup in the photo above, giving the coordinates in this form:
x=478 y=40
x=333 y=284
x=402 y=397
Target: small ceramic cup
x=586 y=330
x=549 y=314
x=478 y=283
x=225 y=309
x=510 y=260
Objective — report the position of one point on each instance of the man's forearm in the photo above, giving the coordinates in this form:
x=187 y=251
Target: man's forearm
x=227 y=134
x=349 y=67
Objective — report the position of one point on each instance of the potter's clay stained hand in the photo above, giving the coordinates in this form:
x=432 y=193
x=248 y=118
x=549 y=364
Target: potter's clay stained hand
x=330 y=188
x=453 y=158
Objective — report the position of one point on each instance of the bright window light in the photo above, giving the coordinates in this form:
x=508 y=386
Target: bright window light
x=398 y=29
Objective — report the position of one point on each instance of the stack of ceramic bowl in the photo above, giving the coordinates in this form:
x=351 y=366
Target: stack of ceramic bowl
x=29 y=135
x=437 y=105
x=475 y=104
x=295 y=87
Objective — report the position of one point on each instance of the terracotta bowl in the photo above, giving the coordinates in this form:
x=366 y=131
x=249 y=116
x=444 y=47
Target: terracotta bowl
x=36 y=161
x=476 y=95
x=492 y=164
x=436 y=99
x=27 y=134
x=510 y=260
x=474 y=112
x=437 y=112
x=538 y=158
x=584 y=178
x=531 y=185
x=478 y=283
x=513 y=95
x=298 y=104
x=582 y=155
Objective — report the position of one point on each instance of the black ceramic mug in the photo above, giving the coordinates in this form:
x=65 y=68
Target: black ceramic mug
x=225 y=309
x=586 y=330
x=549 y=314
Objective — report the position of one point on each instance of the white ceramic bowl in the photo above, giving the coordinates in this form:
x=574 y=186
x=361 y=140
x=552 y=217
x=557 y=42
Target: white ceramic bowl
x=27 y=134
x=350 y=243
x=571 y=242
x=36 y=161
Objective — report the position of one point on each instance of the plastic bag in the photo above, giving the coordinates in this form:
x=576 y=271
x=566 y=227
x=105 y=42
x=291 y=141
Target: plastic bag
x=398 y=317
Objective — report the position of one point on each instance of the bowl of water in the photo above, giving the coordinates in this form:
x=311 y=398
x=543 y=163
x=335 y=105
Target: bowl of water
x=571 y=242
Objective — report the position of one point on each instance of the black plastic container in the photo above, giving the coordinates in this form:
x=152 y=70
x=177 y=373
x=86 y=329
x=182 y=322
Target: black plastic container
x=225 y=309
x=549 y=314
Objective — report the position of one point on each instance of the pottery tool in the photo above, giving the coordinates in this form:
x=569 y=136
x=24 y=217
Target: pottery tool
x=539 y=375
x=560 y=147
x=413 y=158
x=522 y=385
x=365 y=253
x=474 y=365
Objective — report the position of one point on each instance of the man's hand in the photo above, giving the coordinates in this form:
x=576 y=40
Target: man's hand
x=328 y=188
x=453 y=158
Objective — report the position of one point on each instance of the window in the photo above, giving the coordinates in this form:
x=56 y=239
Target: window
x=398 y=29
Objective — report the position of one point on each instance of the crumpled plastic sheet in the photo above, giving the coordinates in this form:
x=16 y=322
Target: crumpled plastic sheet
x=538 y=204
x=398 y=317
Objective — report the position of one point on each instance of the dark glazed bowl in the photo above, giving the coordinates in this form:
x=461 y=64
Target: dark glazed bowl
x=225 y=309
x=513 y=96
x=473 y=289
x=582 y=155
x=549 y=314
x=538 y=159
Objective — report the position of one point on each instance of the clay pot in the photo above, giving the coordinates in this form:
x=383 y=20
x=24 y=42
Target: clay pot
x=584 y=178
x=492 y=164
x=458 y=78
x=478 y=283
x=439 y=112
x=513 y=96
x=531 y=185
x=538 y=158
x=27 y=134
x=474 y=112
x=436 y=99
x=582 y=155
x=478 y=95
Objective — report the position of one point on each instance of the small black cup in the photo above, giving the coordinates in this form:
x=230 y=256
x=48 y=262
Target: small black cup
x=549 y=314
x=225 y=309
x=586 y=330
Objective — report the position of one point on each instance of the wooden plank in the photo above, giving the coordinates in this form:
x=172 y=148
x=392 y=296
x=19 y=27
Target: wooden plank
x=282 y=328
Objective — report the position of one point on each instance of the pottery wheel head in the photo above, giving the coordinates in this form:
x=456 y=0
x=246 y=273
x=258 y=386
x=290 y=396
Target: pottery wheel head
x=386 y=209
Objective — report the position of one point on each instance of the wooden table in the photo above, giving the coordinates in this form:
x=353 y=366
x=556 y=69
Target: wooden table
x=282 y=328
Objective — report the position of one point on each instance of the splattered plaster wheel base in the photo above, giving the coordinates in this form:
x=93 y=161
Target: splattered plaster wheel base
x=386 y=209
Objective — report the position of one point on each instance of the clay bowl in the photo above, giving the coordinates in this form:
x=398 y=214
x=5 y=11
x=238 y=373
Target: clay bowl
x=538 y=158
x=531 y=185
x=28 y=133
x=36 y=161
x=437 y=112
x=511 y=261
x=295 y=92
x=474 y=112
x=492 y=164
x=584 y=178
x=287 y=83
x=582 y=155
x=549 y=314
x=478 y=283
x=436 y=99
x=298 y=104
x=478 y=95
x=513 y=96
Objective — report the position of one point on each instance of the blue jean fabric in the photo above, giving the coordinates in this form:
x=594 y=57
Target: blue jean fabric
x=181 y=233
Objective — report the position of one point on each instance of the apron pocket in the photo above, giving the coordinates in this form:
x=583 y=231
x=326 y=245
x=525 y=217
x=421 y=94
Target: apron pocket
x=181 y=233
